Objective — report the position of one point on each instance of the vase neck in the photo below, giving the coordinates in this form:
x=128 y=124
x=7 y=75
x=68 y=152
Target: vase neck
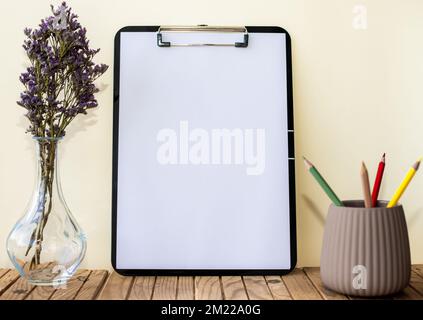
x=47 y=164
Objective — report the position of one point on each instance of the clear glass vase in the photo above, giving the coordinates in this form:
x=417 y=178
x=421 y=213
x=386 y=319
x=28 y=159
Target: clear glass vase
x=47 y=245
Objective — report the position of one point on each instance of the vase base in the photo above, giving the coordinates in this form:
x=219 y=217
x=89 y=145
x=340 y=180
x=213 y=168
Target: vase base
x=55 y=283
x=46 y=277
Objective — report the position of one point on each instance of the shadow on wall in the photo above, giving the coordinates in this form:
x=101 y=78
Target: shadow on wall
x=313 y=209
x=414 y=217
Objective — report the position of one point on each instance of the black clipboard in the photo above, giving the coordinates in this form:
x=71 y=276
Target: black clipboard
x=244 y=41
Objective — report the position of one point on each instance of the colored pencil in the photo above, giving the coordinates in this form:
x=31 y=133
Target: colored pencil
x=378 y=181
x=410 y=174
x=366 y=186
x=322 y=182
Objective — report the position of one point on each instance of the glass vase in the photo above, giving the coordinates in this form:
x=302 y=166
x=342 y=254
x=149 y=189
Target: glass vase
x=47 y=245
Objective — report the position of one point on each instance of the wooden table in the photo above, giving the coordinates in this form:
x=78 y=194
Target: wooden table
x=301 y=284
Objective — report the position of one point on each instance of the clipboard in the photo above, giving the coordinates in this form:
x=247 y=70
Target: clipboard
x=183 y=201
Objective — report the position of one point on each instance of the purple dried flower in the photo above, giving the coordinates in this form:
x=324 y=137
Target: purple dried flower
x=59 y=85
x=60 y=21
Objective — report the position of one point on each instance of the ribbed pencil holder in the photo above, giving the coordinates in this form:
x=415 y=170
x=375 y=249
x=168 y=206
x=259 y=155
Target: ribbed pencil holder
x=365 y=251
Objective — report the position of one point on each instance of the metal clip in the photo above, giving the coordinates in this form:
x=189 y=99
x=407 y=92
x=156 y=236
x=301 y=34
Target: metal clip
x=201 y=28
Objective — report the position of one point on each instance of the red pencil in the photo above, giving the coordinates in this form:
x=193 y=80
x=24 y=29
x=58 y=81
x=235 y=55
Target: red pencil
x=378 y=181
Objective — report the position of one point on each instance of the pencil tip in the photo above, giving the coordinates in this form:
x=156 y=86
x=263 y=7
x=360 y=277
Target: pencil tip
x=307 y=163
x=417 y=164
x=383 y=157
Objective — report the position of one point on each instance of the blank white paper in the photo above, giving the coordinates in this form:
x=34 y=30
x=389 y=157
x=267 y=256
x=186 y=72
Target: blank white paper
x=204 y=216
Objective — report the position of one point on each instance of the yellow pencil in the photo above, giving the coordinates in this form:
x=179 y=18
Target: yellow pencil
x=404 y=184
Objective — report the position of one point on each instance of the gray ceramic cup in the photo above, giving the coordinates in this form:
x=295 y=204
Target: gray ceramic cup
x=365 y=251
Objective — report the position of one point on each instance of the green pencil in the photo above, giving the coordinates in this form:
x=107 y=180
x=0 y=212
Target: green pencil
x=325 y=186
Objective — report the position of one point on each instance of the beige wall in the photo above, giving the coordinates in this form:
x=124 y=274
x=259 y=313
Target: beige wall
x=357 y=94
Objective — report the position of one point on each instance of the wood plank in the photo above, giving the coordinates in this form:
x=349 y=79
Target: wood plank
x=257 y=288
x=185 y=288
x=72 y=287
x=18 y=290
x=314 y=275
x=41 y=293
x=22 y=290
x=418 y=268
x=7 y=280
x=3 y=272
x=407 y=294
x=165 y=288
x=208 y=288
x=300 y=286
x=142 y=288
x=233 y=288
x=278 y=288
x=416 y=280
x=116 y=287
x=91 y=288
x=415 y=290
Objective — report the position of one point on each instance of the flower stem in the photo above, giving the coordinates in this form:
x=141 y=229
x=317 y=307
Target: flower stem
x=47 y=161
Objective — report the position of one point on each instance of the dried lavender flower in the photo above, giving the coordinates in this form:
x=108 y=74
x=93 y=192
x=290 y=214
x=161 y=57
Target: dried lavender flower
x=59 y=84
x=60 y=18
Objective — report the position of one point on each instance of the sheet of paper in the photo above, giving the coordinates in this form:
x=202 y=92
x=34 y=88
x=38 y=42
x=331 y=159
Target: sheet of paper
x=203 y=156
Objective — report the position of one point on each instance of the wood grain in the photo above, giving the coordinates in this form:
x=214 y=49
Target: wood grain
x=18 y=290
x=21 y=289
x=314 y=276
x=185 y=288
x=416 y=282
x=71 y=289
x=257 y=288
x=165 y=288
x=407 y=294
x=142 y=288
x=41 y=293
x=7 y=280
x=415 y=290
x=208 y=288
x=233 y=288
x=91 y=288
x=116 y=287
x=3 y=272
x=418 y=268
x=300 y=286
x=278 y=288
